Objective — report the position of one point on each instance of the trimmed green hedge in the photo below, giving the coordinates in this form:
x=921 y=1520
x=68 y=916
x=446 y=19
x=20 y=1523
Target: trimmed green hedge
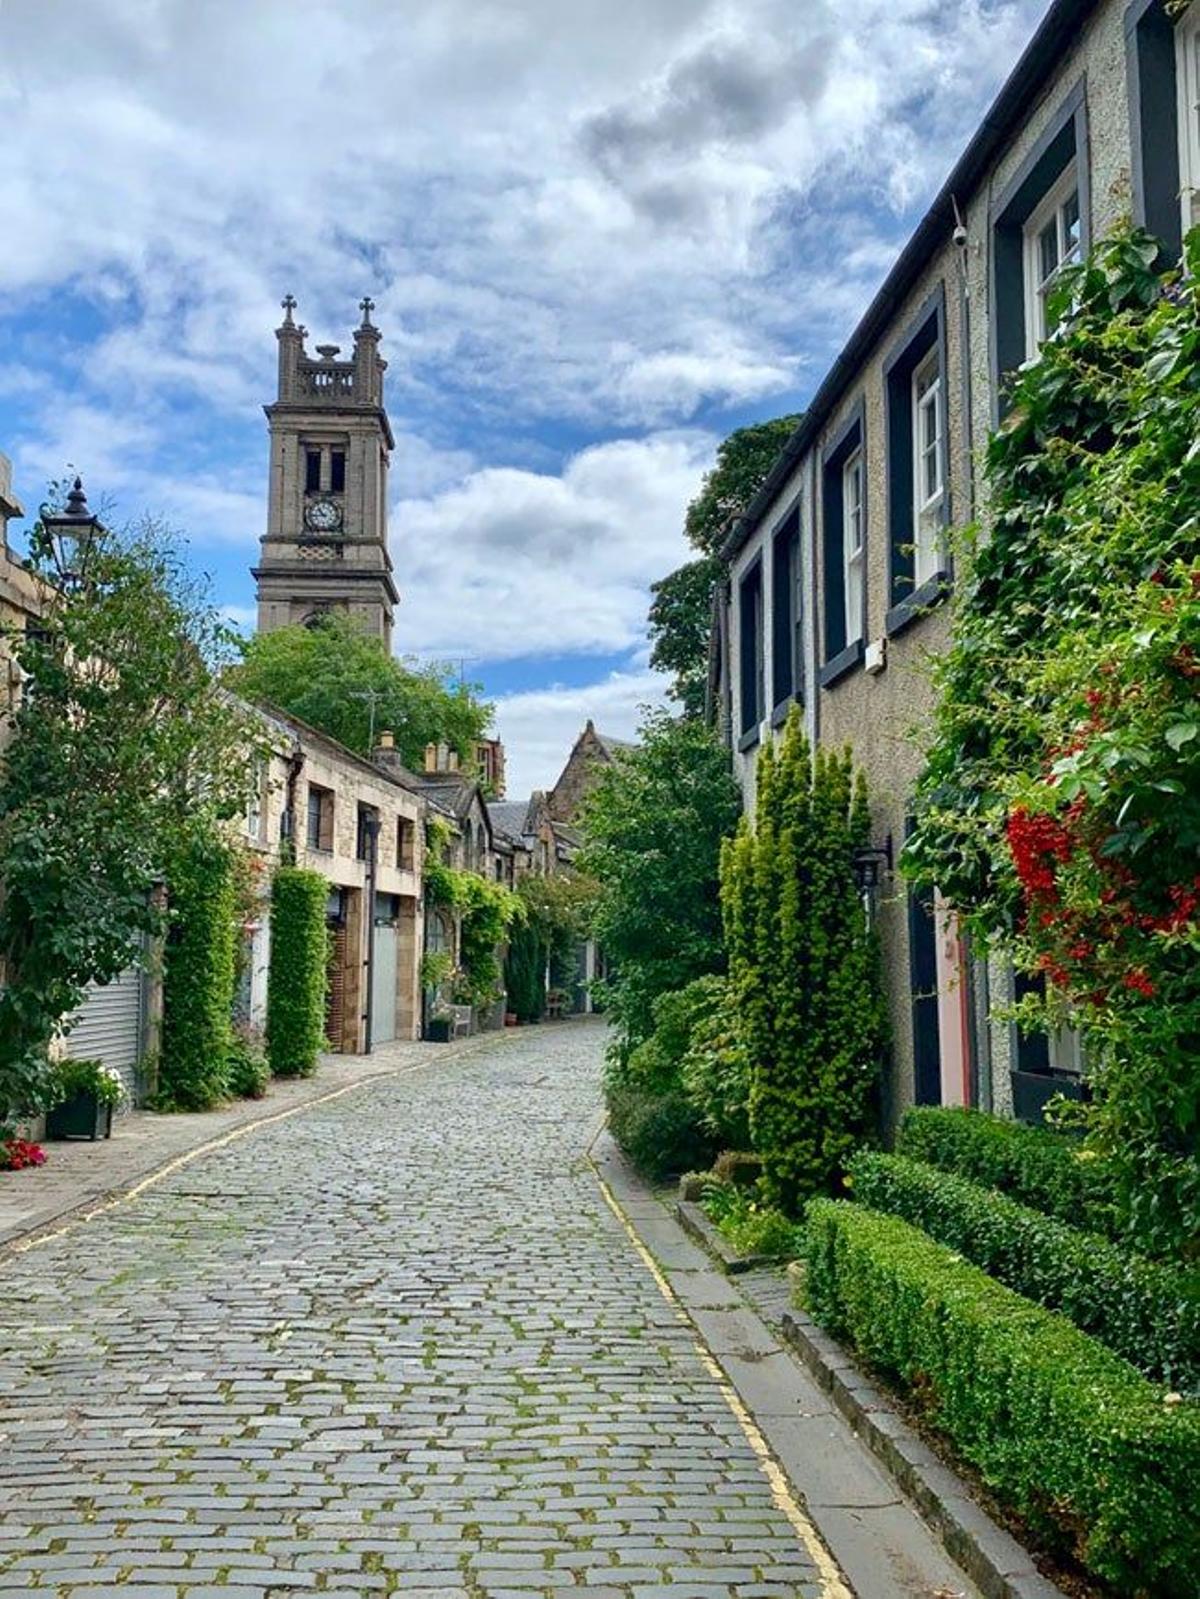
x=1046 y=1170
x=199 y=972
x=1060 y=1427
x=298 y=972
x=1148 y=1313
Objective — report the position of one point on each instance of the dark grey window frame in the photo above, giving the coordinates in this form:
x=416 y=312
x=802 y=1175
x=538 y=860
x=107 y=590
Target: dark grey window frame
x=841 y=655
x=1065 y=139
x=926 y=331
x=752 y=652
x=1154 y=122
x=787 y=600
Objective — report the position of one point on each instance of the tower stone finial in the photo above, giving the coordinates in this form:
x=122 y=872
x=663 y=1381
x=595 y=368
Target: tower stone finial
x=366 y=305
x=289 y=305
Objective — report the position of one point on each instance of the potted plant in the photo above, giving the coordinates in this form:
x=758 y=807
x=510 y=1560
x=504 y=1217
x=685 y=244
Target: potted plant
x=86 y=1094
x=439 y=1027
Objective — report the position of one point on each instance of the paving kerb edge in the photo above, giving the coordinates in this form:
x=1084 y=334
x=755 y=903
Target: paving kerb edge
x=1000 y=1566
x=97 y=1204
x=833 y=1583
x=994 y=1560
x=696 y=1224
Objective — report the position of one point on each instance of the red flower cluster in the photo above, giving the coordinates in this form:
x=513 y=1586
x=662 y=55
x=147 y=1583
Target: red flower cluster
x=1037 y=843
x=17 y=1153
x=1139 y=983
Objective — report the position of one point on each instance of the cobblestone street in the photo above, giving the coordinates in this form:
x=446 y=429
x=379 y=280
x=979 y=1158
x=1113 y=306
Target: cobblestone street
x=397 y=1342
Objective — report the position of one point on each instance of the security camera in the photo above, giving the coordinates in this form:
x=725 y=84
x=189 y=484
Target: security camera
x=960 y=235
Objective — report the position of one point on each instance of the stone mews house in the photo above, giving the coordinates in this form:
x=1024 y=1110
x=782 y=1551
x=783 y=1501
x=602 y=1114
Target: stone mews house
x=841 y=578
x=361 y=825
x=454 y=798
x=539 y=836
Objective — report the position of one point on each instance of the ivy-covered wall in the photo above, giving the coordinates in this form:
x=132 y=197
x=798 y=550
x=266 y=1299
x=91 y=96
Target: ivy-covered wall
x=298 y=972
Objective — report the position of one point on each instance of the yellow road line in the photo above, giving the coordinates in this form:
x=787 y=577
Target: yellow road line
x=833 y=1584
x=79 y=1217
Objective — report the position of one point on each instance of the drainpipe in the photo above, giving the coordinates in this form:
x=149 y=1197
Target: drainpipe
x=287 y=822
x=371 y=828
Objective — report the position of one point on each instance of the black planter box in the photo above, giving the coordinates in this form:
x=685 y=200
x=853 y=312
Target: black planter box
x=1032 y=1092
x=81 y=1116
x=438 y=1030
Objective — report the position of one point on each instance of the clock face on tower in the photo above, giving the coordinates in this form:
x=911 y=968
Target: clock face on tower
x=323 y=516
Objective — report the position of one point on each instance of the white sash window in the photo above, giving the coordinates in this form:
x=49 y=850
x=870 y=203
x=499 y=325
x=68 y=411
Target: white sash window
x=1053 y=240
x=929 y=428
x=1187 y=80
x=852 y=544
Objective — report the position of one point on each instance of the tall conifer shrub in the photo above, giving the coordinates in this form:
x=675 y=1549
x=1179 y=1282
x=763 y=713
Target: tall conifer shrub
x=804 y=966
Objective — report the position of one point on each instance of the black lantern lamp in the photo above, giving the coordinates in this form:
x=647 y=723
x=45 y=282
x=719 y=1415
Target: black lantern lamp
x=71 y=534
x=870 y=862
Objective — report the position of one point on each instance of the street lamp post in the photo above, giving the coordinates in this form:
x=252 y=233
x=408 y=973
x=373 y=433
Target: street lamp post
x=70 y=535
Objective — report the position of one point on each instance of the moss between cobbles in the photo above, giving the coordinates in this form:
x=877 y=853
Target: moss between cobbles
x=1063 y=1430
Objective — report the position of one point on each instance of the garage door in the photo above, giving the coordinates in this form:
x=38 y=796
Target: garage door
x=108 y=1027
x=383 y=977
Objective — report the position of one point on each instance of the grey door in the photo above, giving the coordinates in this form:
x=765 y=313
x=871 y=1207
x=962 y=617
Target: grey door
x=108 y=1027
x=383 y=985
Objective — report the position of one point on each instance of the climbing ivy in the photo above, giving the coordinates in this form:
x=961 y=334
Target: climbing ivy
x=803 y=966
x=297 y=975
x=198 y=973
x=1060 y=808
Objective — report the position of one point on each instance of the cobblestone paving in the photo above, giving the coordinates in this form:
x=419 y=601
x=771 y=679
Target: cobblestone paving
x=397 y=1343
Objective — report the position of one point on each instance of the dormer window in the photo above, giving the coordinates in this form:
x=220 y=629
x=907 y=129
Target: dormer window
x=337 y=472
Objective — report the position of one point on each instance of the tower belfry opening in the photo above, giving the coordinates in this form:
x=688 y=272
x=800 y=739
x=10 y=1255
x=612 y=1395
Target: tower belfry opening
x=325 y=548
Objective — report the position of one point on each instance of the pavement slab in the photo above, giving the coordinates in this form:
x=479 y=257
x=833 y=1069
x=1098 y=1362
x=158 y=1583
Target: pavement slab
x=404 y=1340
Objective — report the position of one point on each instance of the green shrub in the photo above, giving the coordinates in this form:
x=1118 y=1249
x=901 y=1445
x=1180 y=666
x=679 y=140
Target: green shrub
x=246 y=1073
x=525 y=972
x=1061 y=1428
x=715 y=1069
x=751 y=1226
x=644 y=1088
x=1148 y=1313
x=298 y=972
x=803 y=966
x=198 y=974
x=658 y=1130
x=1046 y=1170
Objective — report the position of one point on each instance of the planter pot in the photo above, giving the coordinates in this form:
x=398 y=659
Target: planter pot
x=1032 y=1091
x=81 y=1116
x=438 y=1030
x=510 y=1018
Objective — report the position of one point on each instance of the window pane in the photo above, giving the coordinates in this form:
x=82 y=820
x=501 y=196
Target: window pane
x=1071 y=226
x=1048 y=249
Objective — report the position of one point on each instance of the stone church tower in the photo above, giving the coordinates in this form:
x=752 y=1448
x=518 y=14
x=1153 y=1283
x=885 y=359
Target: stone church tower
x=325 y=547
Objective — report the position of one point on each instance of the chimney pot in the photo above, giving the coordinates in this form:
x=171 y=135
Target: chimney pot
x=387 y=739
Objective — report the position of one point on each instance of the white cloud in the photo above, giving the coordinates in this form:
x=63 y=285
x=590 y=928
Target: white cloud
x=539 y=727
x=514 y=189
x=511 y=563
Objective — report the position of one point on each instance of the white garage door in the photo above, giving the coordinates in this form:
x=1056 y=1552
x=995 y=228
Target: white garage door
x=108 y=1027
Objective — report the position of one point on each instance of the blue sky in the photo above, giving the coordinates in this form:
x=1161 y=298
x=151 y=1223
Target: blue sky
x=599 y=237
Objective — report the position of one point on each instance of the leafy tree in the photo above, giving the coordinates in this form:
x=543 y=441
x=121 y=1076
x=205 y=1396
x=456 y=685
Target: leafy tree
x=652 y=830
x=1060 y=807
x=120 y=742
x=555 y=917
x=342 y=681
x=804 y=967
x=680 y=621
x=681 y=611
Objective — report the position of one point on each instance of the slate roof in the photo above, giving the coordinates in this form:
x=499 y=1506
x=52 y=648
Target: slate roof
x=510 y=817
